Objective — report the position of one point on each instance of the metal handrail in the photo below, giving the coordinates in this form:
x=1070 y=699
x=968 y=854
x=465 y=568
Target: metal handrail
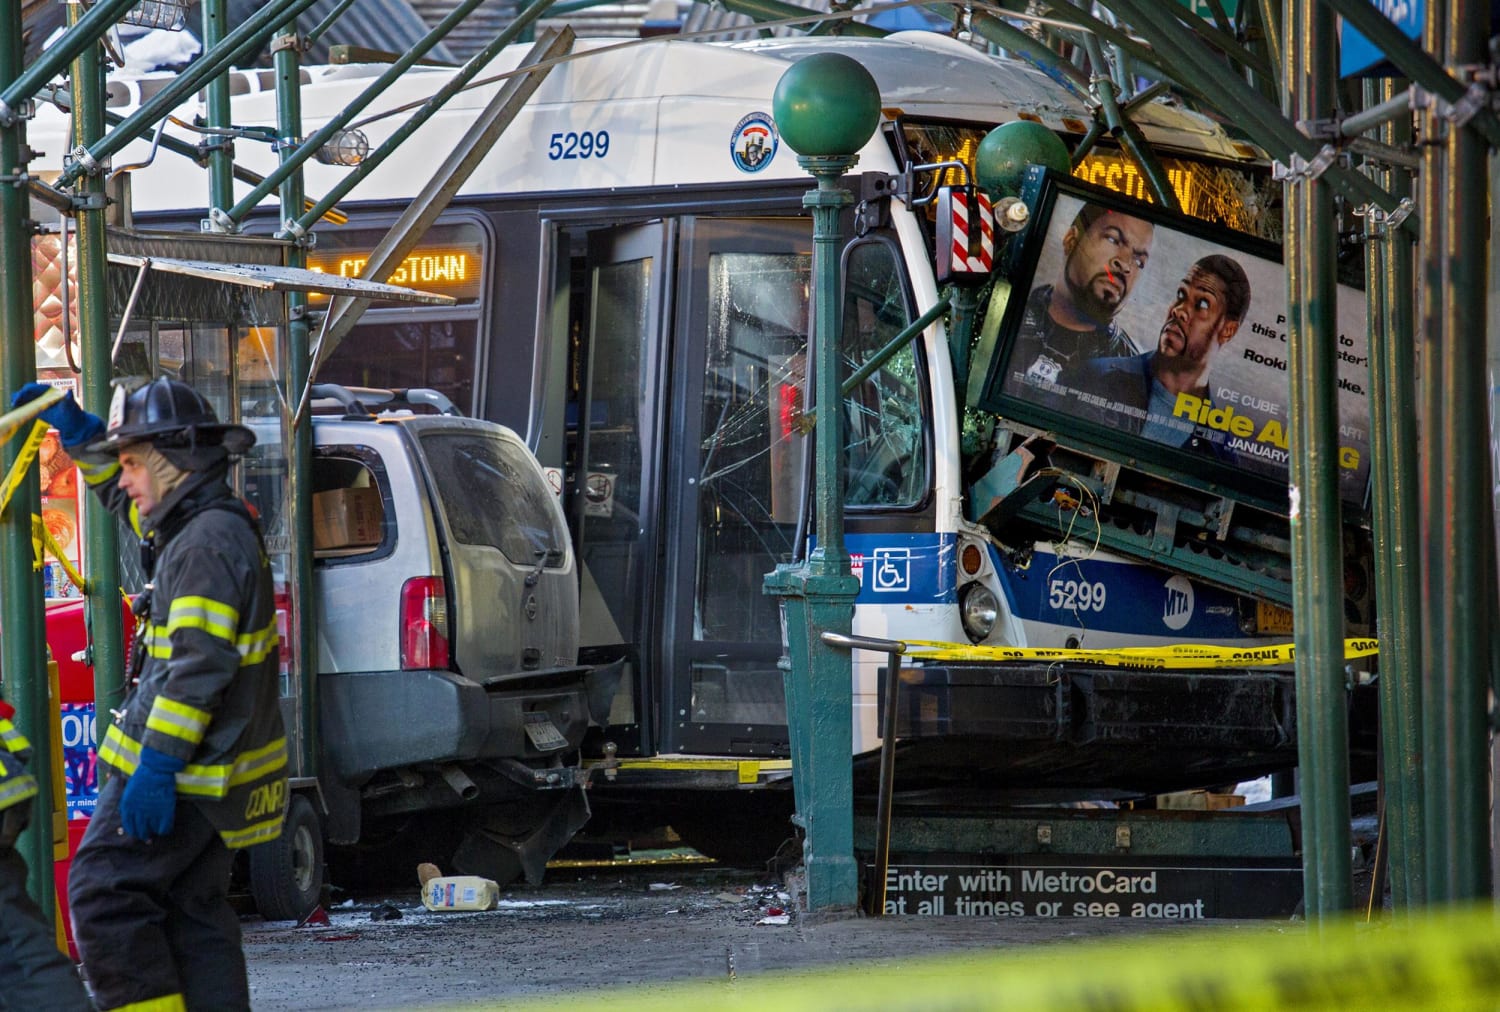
x=893 y=649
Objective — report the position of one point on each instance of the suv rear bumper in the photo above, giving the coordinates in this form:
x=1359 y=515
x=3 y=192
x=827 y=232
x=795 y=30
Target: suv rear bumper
x=380 y=720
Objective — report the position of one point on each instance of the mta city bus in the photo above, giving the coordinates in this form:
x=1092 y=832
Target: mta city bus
x=632 y=267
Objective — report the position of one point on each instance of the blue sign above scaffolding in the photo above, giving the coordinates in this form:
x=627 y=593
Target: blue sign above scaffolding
x=1358 y=55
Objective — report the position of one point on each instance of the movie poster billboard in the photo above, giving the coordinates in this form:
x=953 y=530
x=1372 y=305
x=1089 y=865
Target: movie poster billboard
x=1147 y=332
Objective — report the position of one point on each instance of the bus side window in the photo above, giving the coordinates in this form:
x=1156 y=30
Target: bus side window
x=885 y=450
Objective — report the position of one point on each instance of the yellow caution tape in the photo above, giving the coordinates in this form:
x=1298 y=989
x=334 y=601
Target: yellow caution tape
x=1179 y=657
x=1436 y=960
x=23 y=461
x=42 y=539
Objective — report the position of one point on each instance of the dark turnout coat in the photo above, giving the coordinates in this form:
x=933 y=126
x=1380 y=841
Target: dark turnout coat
x=208 y=683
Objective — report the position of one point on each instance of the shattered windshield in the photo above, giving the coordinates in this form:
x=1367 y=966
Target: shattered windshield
x=885 y=448
x=1243 y=197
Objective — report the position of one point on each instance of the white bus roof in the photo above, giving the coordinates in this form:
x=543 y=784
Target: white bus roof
x=659 y=112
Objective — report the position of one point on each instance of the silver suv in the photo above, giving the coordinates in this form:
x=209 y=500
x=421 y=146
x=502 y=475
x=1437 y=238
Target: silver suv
x=447 y=617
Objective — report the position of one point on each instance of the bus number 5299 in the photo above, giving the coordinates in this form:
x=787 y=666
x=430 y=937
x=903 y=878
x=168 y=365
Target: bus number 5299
x=585 y=144
x=1075 y=595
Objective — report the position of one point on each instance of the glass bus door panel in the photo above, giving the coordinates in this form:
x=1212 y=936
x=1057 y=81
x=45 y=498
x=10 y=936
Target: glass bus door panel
x=734 y=478
x=612 y=459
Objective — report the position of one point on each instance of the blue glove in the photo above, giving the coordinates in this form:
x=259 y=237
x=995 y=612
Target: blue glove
x=148 y=804
x=72 y=423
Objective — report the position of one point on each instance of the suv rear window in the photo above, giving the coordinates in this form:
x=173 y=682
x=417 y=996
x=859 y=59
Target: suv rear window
x=491 y=495
x=350 y=517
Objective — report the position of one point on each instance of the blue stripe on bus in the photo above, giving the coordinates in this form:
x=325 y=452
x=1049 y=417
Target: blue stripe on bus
x=1117 y=597
x=1106 y=596
x=903 y=568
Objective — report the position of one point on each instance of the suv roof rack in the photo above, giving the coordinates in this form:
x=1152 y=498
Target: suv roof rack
x=367 y=402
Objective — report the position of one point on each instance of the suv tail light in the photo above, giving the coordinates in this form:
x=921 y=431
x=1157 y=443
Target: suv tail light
x=424 y=623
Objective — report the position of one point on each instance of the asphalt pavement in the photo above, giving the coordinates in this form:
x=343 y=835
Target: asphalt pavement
x=585 y=930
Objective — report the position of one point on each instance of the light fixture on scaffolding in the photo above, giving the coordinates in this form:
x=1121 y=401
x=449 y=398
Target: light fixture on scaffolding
x=346 y=147
x=167 y=15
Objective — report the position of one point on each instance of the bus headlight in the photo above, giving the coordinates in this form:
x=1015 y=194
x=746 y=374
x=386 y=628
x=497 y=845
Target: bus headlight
x=978 y=610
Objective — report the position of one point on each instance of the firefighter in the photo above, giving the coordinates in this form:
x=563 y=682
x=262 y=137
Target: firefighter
x=197 y=753
x=33 y=973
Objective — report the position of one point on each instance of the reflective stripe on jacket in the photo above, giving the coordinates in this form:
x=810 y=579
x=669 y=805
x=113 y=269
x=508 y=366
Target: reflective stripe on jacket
x=16 y=785
x=208 y=690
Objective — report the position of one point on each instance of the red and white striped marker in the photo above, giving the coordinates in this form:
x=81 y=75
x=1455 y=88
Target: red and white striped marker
x=966 y=230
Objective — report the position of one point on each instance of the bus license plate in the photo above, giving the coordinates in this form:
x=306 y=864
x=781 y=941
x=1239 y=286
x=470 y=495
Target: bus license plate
x=544 y=736
x=1272 y=619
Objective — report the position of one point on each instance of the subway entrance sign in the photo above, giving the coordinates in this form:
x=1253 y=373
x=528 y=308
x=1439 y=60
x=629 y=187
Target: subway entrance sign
x=1205 y=10
x=1096 y=862
x=1059 y=885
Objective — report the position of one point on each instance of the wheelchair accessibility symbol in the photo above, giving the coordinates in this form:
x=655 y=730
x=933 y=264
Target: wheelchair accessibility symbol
x=891 y=568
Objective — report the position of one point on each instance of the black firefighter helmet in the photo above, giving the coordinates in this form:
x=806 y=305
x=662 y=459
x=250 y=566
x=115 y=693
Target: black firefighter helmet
x=174 y=418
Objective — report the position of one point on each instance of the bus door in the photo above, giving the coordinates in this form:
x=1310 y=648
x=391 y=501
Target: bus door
x=733 y=479
x=686 y=350
x=615 y=408
x=737 y=464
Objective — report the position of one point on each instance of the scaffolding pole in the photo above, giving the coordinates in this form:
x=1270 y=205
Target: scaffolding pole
x=1316 y=521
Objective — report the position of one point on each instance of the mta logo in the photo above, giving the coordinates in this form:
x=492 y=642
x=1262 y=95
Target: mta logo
x=1178 y=609
x=267 y=799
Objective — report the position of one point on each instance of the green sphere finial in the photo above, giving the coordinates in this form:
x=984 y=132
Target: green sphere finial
x=826 y=105
x=1000 y=164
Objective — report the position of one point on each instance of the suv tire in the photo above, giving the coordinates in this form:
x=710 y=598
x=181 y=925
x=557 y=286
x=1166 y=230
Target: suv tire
x=286 y=874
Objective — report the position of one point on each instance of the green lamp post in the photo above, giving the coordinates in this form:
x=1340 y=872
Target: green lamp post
x=826 y=107
x=1007 y=151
